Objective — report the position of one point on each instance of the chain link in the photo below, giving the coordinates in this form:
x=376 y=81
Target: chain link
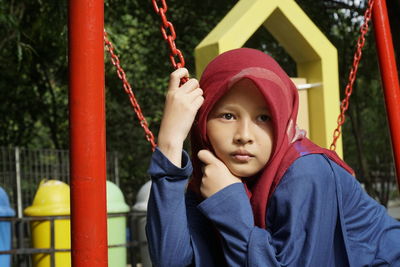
x=169 y=35
x=128 y=89
x=157 y=9
x=353 y=74
x=167 y=26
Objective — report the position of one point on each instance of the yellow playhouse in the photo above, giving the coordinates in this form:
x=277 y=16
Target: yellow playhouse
x=315 y=57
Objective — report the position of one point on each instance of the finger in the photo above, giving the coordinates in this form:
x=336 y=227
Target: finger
x=190 y=85
x=207 y=157
x=176 y=76
x=198 y=102
x=196 y=93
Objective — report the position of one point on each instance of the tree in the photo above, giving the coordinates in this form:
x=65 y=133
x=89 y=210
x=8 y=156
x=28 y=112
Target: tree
x=34 y=81
x=366 y=138
x=33 y=74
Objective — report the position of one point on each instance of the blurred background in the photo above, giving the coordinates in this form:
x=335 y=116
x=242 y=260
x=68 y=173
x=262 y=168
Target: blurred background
x=34 y=86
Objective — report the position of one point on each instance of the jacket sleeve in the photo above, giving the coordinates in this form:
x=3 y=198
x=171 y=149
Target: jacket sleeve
x=302 y=220
x=167 y=227
x=373 y=237
x=178 y=234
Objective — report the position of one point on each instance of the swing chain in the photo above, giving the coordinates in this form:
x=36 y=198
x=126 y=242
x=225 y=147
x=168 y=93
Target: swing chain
x=169 y=35
x=353 y=73
x=128 y=89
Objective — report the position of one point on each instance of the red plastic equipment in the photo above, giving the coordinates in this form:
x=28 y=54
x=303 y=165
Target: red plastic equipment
x=87 y=133
x=390 y=78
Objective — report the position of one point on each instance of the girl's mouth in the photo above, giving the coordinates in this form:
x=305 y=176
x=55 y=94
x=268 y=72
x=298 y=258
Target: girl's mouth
x=242 y=156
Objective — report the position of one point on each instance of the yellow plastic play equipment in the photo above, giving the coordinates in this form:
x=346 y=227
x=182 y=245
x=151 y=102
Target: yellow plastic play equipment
x=315 y=56
x=51 y=199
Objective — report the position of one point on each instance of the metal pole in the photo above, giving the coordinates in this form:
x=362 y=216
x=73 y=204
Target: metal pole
x=18 y=180
x=116 y=168
x=52 y=244
x=20 y=224
x=87 y=133
x=390 y=79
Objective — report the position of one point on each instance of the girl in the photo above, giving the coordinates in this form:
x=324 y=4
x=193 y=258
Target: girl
x=261 y=194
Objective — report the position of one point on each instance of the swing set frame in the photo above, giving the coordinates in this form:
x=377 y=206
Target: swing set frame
x=87 y=119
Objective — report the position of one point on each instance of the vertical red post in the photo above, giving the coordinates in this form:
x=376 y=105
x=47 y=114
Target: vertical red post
x=87 y=133
x=389 y=74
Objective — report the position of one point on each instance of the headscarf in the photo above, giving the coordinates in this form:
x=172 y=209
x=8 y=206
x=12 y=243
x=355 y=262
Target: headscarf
x=281 y=97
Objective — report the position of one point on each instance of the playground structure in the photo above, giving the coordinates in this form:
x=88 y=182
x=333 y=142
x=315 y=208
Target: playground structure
x=316 y=58
x=87 y=114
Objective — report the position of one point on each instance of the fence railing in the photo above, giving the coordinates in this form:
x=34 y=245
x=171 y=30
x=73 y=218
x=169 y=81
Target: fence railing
x=21 y=251
x=22 y=169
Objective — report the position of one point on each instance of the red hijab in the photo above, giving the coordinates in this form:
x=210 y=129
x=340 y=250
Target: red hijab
x=281 y=97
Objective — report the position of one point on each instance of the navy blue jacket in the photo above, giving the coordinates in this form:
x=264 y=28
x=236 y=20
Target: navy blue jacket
x=318 y=216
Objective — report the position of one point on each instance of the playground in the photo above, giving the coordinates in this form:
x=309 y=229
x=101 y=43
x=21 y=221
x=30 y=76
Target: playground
x=81 y=119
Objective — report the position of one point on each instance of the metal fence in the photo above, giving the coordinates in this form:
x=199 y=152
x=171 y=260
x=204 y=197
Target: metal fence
x=22 y=169
x=22 y=249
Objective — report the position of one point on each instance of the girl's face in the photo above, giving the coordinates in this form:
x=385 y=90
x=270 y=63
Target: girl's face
x=239 y=128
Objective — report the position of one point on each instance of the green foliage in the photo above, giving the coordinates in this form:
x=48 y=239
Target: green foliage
x=34 y=76
x=33 y=68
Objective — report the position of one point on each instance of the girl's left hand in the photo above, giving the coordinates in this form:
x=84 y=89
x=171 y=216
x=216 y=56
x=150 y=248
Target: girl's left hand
x=216 y=176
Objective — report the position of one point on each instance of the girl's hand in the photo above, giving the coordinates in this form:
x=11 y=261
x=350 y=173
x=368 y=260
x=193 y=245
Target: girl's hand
x=216 y=175
x=181 y=106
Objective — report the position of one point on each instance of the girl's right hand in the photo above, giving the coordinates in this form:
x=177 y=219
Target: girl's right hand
x=181 y=106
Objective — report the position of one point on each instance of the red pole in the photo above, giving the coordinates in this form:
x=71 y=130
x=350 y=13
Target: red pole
x=389 y=74
x=87 y=133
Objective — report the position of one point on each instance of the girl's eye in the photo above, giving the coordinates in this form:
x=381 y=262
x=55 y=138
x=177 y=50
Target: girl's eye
x=264 y=118
x=227 y=116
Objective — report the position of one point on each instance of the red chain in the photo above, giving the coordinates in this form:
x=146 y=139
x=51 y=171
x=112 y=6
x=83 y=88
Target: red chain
x=128 y=90
x=169 y=35
x=353 y=73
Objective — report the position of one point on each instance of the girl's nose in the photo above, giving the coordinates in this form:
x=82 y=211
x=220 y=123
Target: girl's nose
x=243 y=133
